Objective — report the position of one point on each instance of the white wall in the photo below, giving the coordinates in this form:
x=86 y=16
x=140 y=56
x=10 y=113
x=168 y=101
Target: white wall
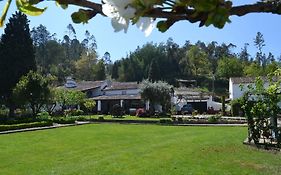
x=236 y=92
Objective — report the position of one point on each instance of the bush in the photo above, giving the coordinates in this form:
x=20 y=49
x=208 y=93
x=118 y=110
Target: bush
x=236 y=107
x=25 y=125
x=100 y=118
x=180 y=120
x=73 y=112
x=165 y=121
x=64 y=120
x=195 y=112
x=214 y=119
x=117 y=111
x=43 y=116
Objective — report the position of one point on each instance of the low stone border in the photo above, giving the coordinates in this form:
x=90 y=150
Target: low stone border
x=55 y=125
x=261 y=146
x=114 y=121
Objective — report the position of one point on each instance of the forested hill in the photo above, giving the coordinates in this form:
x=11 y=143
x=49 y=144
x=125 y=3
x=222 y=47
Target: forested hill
x=203 y=62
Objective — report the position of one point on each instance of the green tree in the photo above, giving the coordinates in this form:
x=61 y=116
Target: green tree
x=244 y=55
x=16 y=56
x=198 y=61
x=32 y=90
x=154 y=71
x=99 y=71
x=84 y=67
x=229 y=67
x=260 y=43
x=114 y=72
x=40 y=36
x=66 y=97
x=253 y=70
x=157 y=93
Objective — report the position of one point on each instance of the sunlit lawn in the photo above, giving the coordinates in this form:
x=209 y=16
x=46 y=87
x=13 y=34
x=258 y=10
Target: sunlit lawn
x=134 y=149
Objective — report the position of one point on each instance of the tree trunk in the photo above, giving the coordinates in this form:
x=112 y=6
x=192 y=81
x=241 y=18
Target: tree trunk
x=11 y=110
x=223 y=105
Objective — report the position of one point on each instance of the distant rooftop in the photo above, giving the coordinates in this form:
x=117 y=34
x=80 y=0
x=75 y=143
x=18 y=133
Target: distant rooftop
x=84 y=85
x=122 y=86
x=239 y=80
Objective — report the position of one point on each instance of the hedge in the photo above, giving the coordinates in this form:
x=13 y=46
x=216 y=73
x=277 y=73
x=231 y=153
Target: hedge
x=24 y=125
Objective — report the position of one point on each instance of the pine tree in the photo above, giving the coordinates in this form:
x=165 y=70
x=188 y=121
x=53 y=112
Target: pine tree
x=16 y=56
x=154 y=71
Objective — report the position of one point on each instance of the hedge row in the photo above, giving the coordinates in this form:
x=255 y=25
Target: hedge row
x=25 y=125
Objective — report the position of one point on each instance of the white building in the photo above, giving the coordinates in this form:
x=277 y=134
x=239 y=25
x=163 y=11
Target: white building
x=236 y=84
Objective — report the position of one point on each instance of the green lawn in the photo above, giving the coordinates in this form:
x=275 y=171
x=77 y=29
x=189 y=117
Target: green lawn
x=134 y=149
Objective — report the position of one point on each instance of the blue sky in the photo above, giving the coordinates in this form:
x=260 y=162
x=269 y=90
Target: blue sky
x=240 y=31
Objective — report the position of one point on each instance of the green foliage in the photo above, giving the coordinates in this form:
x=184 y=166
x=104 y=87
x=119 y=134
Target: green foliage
x=43 y=116
x=89 y=104
x=32 y=90
x=229 y=67
x=165 y=121
x=24 y=125
x=16 y=56
x=157 y=93
x=64 y=120
x=260 y=105
x=99 y=70
x=82 y=16
x=214 y=118
x=117 y=111
x=66 y=97
x=73 y=112
x=154 y=71
x=28 y=8
x=236 y=107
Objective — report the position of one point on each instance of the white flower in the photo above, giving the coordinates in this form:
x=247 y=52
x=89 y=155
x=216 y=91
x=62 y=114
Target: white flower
x=120 y=12
x=146 y=25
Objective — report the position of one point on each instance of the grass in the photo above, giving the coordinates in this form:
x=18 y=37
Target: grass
x=134 y=149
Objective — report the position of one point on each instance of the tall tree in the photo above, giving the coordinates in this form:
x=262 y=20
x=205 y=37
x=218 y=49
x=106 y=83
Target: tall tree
x=198 y=61
x=99 y=70
x=259 y=43
x=244 y=55
x=17 y=56
x=229 y=67
x=40 y=36
x=154 y=71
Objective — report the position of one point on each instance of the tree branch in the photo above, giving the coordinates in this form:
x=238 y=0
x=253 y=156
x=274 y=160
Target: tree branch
x=187 y=14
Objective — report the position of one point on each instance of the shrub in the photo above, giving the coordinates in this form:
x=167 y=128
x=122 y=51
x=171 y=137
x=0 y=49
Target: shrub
x=73 y=112
x=180 y=120
x=100 y=118
x=195 y=112
x=117 y=111
x=25 y=125
x=236 y=107
x=64 y=120
x=214 y=119
x=43 y=116
x=89 y=104
x=165 y=121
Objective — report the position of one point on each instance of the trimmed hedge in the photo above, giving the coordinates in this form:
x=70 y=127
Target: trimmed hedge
x=64 y=120
x=24 y=125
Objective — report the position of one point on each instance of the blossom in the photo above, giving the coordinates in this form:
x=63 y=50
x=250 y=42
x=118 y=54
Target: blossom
x=146 y=25
x=121 y=12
